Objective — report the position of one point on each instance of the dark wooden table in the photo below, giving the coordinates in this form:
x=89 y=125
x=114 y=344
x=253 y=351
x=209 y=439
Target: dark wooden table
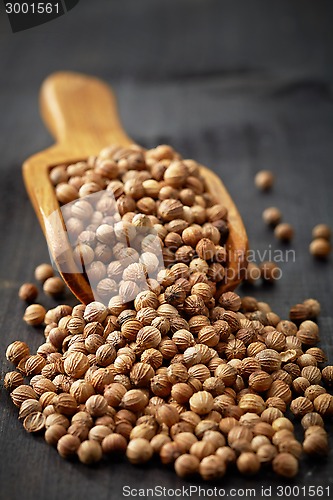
x=239 y=86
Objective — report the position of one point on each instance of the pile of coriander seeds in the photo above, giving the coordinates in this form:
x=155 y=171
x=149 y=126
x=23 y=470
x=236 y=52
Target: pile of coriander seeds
x=204 y=392
x=203 y=380
x=130 y=213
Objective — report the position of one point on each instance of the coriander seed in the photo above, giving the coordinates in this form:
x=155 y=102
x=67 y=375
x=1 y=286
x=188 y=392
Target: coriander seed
x=21 y=393
x=323 y=404
x=285 y=465
x=54 y=286
x=12 y=380
x=266 y=453
x=320 y=248
x=167 y=414
x=201 y=402
x=114 y=444
x=313 y=307
x=316 y=444
x=57 y=419
x=284 y=231
x=89 y=452
x=139 y=451
x=227 y=454
x=259 y=441
x=34 y=422
x=96 y=405
x=65 y=403
x=272 y=216
x=248 y=463
x=76 y=364
x=327 y=375
x=29 y=406
x=43 y=272
x=202 y=449
x=321 y=231
x=68 y=445
x=212 y=467
x=54 y=433
x=187 y=465
x=34 y=314
x=300 y=406
x=28 y=292
x=17 y=351
x=264 y=180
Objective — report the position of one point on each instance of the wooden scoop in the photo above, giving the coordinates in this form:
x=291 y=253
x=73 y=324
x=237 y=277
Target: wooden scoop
x=81 y=113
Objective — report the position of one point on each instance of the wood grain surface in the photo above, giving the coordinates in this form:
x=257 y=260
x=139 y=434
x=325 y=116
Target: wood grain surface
x=239 y=86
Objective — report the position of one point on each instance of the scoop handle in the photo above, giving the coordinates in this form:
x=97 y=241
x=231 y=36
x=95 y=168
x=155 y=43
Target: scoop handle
x=82 y=110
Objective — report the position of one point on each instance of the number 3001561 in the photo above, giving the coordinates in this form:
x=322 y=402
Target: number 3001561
x=32 y=8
